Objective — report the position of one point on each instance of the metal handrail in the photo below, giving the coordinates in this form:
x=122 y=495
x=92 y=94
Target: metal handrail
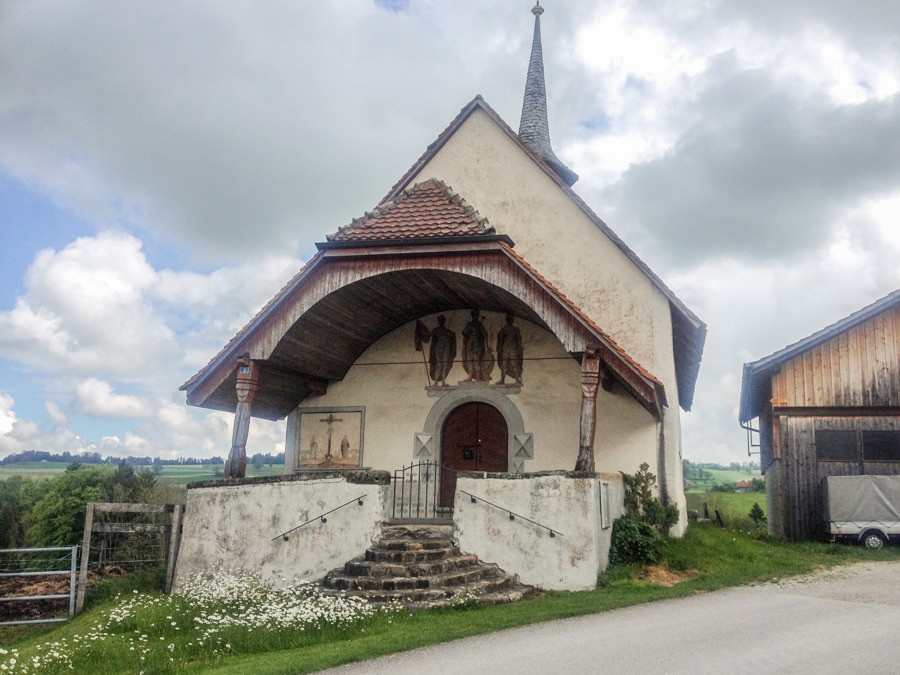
x=321 y=517
x=512 y=514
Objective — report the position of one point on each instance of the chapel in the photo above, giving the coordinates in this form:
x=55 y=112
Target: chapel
x=481 y=316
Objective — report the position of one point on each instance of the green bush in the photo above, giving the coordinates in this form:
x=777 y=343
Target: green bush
x=642 y=505
x=639 y=535
x=757 y=515
x=634 y=541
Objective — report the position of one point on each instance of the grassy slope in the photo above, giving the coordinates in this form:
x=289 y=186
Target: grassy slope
x=720 y=557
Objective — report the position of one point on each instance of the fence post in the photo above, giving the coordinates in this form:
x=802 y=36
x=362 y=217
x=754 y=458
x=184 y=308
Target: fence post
x=85 y=555
x=73 y=569
x=174 y=542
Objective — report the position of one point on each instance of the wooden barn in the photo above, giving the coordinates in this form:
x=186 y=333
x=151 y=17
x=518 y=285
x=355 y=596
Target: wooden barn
x=828 y=405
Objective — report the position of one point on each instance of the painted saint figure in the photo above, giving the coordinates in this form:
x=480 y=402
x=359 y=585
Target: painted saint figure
x=345 y=447
x=509 y=351
x=474 y=343
x=442 y=352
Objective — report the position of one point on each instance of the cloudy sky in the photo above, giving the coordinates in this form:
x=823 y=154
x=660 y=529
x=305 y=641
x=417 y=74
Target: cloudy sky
x=166 y=166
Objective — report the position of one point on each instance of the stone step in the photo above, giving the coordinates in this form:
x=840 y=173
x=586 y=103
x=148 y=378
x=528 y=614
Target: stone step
x=359 y=567
x=377 y=554
x=497 y=590
x=470 y=573
x=419 y=565
x=417 y=531
x=400 y=544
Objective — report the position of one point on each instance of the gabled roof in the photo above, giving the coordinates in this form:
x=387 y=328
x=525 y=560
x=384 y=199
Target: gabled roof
x=426 y=210
x=756 y=375
x=306 y=335
x=689 y=332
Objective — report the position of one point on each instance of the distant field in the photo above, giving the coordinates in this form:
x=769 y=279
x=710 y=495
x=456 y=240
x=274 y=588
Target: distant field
x=32 y=469
x=727 y=476
x=175 y=474
x=720 y=476
x=734 y=506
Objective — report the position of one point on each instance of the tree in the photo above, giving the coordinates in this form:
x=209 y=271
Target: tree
x=642 y=504
x=638 y=536
x=17 y=498
x=58 y=516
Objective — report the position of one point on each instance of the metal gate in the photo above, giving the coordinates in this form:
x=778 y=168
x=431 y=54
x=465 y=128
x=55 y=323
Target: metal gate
x=40 y=563
x=416 y=492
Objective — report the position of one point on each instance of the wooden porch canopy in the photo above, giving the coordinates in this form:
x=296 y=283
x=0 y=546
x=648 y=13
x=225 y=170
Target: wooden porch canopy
x=350 y=294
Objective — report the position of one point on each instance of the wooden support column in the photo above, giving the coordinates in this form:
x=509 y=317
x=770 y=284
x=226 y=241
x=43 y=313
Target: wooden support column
x=247 y=378
x=590 y=378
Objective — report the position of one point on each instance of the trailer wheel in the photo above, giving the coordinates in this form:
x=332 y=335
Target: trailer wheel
x=873 y=539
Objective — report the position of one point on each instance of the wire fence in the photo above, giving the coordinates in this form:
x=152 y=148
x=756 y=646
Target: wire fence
x=121 y=538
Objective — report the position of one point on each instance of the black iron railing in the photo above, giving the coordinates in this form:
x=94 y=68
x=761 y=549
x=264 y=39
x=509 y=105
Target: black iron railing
x=512 y=514
x=416 y=491
x=321 y=517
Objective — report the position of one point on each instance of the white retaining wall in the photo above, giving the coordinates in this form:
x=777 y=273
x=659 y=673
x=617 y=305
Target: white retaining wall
x=237 y=527
x=568 y=503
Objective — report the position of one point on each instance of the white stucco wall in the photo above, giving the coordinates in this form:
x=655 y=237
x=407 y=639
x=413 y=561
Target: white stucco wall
x=549 y=403
x=569 y=505
x=550 y=231
x=482 y=164
x=237 y=527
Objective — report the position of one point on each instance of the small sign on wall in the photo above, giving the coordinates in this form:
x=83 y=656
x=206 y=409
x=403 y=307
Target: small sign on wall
x=331 y=438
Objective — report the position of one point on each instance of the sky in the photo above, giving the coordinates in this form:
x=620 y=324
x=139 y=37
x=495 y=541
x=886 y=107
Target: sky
x=165 y=167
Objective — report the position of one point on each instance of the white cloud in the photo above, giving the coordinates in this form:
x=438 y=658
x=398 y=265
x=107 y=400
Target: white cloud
x=97 y=398
x=7 y=414
x=28 y=435
x=85 y=311
x=56 y=414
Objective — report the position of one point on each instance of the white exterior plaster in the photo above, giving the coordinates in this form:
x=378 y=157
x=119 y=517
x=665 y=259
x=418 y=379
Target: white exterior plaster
x=570 y=506
x=549 y=403
x=551 y=232
x=238 y=528
x=482 y=164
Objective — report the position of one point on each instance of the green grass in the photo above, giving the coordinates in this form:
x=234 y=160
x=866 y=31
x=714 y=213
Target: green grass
x=176 y=474
x=728 y=476
x=32 y=469
x=718 y=557
x=734 y=506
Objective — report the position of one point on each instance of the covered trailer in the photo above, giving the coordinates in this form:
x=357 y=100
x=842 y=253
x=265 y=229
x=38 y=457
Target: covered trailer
x=864 y=509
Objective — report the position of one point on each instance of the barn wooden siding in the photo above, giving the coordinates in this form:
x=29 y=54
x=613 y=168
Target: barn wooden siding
x=850 y=382
x=859 y=367
x=799 y=474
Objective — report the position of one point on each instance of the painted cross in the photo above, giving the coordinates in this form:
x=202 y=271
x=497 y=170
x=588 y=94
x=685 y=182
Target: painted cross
x=330 y=420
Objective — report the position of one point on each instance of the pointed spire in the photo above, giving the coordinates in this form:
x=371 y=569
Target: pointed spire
x=534 y=129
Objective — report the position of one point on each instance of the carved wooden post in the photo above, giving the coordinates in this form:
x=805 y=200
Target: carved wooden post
x=247 y=376
x=590 y=377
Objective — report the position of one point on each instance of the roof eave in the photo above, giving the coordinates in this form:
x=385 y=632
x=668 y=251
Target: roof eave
x=414 y=241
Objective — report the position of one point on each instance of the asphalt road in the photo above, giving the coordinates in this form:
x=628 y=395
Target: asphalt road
x=842 y=621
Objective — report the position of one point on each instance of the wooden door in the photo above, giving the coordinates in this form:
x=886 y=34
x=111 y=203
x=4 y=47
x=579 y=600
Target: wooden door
x=474 y=438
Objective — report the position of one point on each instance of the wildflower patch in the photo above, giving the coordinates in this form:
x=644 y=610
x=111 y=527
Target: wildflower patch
x=212 y=617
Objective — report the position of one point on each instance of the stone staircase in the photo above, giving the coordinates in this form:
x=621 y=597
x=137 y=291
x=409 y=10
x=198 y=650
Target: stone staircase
x=420 y=566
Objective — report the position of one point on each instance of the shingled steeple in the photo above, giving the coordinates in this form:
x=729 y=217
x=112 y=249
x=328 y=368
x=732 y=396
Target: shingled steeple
x=534 y=129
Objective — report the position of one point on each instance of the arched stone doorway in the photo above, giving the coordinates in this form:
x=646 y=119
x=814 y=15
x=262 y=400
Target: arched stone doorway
x=474 y=437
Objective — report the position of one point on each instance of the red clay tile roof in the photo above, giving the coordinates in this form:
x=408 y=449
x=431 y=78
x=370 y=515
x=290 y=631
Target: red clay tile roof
x=426 y=210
